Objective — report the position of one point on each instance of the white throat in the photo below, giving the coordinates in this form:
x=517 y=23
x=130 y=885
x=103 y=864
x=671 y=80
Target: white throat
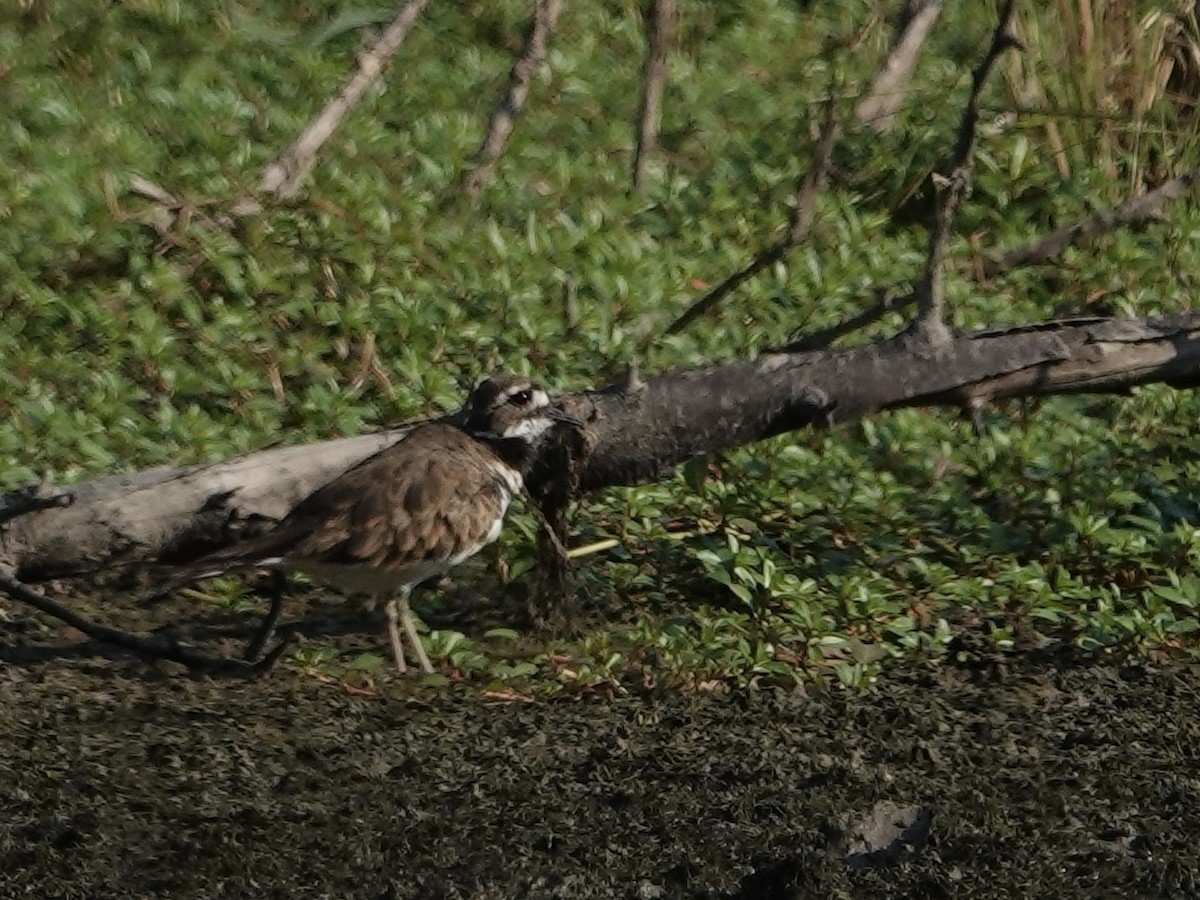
x=511 y=483
x=529 y=429
x=532 y=426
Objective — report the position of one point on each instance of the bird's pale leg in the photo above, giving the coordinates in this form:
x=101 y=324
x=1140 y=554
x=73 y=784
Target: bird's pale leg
x=391 y=606
x=414 y=638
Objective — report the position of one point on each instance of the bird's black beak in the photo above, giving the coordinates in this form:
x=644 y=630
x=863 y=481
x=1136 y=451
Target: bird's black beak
x=558 y=415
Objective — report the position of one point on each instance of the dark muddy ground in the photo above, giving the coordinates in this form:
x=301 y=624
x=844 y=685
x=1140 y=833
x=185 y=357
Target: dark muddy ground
x=1050 y=778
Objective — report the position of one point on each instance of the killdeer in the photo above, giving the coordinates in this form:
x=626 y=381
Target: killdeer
x=412 y=511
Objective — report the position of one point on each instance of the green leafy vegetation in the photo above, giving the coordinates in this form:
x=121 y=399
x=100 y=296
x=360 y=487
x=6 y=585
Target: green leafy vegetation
x=135 y=335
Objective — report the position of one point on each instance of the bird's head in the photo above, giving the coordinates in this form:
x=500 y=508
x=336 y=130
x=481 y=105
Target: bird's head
x=512 y=407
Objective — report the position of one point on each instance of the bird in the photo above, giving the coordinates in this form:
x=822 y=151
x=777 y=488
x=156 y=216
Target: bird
x=410 y=512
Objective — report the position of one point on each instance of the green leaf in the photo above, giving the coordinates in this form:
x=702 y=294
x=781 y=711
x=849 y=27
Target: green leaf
x=366 y=662
x=505 y=634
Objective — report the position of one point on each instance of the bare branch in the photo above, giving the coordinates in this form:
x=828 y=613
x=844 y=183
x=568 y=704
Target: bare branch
x=888 y=302
x=930 y=324
x=504 y=118
x=908 y=9
x=1048 y=247
x=283 y=176
x=803 y=213
x=158 y=647
x=1040 y=250
x=878 y=108
x=681 y=414
x=660 y=24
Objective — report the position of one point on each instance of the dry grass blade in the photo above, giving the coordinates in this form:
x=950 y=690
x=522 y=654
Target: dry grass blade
x=1116 y=73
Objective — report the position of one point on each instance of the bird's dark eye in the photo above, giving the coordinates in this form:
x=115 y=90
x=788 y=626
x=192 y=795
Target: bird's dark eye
x=521 y=398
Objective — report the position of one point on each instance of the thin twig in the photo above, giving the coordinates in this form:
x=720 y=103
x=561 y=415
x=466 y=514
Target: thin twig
x=500 y=127
x=930 y=323
x=801 y=221
x=153 y=647
x=660 y=26
x=878 y=108
x=1048 y=247
x=266 y=629
x=283 y=176
x=819 y=340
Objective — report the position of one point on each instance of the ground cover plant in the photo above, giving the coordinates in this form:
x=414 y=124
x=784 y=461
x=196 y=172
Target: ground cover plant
x=139 y=331
x=134 y=340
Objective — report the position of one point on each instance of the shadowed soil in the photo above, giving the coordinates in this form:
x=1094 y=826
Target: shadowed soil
x=1051 y=778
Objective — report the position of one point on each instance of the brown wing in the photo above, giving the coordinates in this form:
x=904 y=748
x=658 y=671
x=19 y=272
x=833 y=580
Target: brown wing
x=431 y=497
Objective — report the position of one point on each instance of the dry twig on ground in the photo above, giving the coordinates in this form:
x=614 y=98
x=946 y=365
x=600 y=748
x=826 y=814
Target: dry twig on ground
x=930 y=323
x=283 y=176
x=660 y=24
x=504 y=118
x=803 y=213
x=158 y=647
x=878 y=108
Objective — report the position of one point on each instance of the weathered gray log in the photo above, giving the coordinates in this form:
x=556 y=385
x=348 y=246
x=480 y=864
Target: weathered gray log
x=637 y=432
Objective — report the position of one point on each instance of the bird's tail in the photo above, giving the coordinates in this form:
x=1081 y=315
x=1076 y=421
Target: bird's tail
x=263 y=552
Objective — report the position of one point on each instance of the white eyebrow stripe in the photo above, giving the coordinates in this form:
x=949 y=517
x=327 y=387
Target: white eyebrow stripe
x=515 y=389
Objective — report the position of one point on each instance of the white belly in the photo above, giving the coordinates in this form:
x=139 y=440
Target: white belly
x=365 y=579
